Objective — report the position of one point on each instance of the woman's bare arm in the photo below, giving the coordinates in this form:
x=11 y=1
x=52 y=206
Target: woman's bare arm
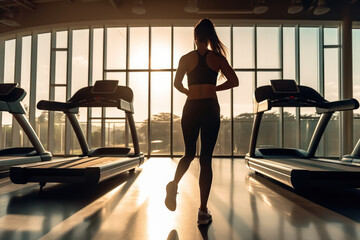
x=230 y=75
x=180 y=76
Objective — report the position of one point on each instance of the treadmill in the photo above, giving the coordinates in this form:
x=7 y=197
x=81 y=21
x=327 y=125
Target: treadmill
x=296 y=168
x=99 y=164
x=354 y=157
x=10 y=101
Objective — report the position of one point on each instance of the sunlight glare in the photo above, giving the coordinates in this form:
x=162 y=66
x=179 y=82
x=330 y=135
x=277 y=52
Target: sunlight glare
x=159 y=219
x=160 y=47
x=14 y=222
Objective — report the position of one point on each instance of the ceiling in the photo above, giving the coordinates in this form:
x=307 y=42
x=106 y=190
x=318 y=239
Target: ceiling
x=22 y=14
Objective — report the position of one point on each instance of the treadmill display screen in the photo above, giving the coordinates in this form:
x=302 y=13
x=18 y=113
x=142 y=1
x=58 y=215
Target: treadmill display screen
x=284 y=86
x=6 y=88
x=105 y=86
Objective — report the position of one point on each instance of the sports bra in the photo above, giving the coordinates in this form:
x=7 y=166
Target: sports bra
x=202 y=74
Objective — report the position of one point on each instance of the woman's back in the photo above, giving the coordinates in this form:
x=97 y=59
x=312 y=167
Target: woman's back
x=211 y=60
x=202 y=67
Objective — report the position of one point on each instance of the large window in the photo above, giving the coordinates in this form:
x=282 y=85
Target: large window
x=56 y=63
x=356 y=80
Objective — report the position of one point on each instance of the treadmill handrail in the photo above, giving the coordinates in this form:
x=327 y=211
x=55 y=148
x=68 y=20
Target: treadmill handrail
x=265 y=99
x=57 y=106
x=341 y=105
x=12 y=101
x=71 y=107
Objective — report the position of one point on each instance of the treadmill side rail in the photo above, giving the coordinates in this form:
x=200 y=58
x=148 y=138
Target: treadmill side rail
x=307 y=173
x=279 y=173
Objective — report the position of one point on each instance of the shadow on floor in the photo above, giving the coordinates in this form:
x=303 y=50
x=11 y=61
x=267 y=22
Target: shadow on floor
x=296 y=205
x=58 y=202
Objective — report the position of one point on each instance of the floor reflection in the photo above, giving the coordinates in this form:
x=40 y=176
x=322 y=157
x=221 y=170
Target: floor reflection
x=243 y=206
x=56 y=203
x=297 y=209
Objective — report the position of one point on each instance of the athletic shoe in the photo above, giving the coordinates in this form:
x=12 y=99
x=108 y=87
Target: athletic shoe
x=171 y=191
x=204 y=217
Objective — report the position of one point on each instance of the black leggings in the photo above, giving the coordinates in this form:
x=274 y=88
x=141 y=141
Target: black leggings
x=200 y=115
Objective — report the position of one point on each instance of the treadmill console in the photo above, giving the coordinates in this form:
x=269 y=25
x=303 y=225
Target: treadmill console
x=105 y=86
x=6 y=88
x=284 y=86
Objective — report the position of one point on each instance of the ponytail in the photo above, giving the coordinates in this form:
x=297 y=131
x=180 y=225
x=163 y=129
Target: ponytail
x=205 y=32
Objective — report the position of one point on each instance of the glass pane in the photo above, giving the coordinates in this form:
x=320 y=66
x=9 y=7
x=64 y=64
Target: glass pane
x=183 y=42
x=60 y=67
x=139 y=48
x=289 y=53
x=290 y=128
x=223 y=144
x=25 y=70
x=115 y=133
x=61 y=39
x=6 y=130
x=268 y=52
x=331 y=36
x=160 y=112
x=331 y=73
x=82 y=115
x=331 y=138
x=309 y=73
x=9 y=58
x=243 y=112
x=42 y=85
x=243 y=44
x=74 y=143
x=97 y=60
x=96 y=112
x=263 y=78
x=179 y=102
x=309 y=57
x=308 y=123
x=269 y=129
x=80 y=60
x=356 y=80
x=116 y=48
x=59 y=123
x=95 y=140
x=138 y=82
x=25 y=81
x=160 y=47
x=224 y=36
x=331 y=77
x=60 y=94
x=112 y=112
x=120 y=76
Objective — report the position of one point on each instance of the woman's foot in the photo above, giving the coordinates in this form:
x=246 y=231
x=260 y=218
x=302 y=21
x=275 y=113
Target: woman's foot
x=204 y=217
x=171 y=191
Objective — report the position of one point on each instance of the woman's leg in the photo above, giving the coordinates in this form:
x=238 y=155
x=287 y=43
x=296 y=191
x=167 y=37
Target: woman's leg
x=209 y=133
x=190 y=129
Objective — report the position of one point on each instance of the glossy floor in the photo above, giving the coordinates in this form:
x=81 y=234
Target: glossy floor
x=131 y=206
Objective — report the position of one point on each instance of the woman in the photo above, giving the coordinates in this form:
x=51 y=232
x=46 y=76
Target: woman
x=201 y=112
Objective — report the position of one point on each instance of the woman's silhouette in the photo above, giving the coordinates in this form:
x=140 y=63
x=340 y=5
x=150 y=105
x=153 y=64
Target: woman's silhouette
x=201 y=113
